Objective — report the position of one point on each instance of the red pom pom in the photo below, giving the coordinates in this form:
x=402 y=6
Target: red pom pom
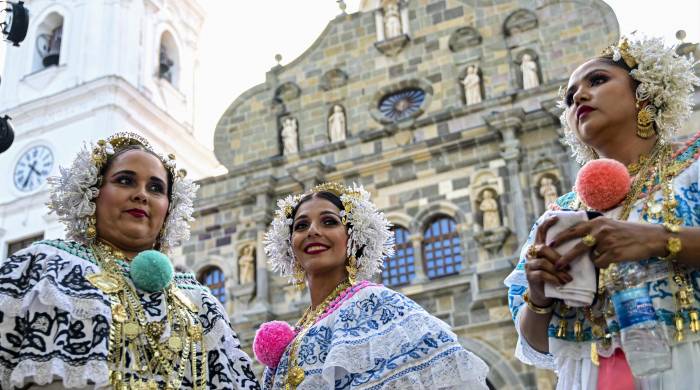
x=271 y=339
x=602 y=184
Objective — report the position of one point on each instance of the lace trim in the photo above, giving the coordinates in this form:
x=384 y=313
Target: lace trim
x=528 y=355
x=446 y=365
x=46 y=294
x=453 y=369
x=42 y=373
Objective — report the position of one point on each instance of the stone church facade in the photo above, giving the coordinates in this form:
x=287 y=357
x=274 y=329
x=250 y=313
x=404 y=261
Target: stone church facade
x=445 y=112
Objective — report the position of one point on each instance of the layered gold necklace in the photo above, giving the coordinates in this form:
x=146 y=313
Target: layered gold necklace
x=295 y=374
x=655 y=171
x=137 y=358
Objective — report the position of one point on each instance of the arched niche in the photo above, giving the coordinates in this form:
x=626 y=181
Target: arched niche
x=49 y=44
x=463 y=38
x=168 y=59
x=287 y=91
x=519 y=21
x=334 y=78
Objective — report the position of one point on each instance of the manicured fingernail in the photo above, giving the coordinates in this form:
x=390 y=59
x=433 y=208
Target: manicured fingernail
x=553 y=244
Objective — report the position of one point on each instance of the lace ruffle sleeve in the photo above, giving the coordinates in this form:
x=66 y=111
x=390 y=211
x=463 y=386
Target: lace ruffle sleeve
x=54 y=325
x=380 y=339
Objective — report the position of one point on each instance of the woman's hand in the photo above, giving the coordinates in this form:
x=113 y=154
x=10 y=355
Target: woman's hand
x=540 y=268
x=612 y=241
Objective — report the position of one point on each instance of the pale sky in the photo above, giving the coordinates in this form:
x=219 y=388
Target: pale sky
x=239 y=41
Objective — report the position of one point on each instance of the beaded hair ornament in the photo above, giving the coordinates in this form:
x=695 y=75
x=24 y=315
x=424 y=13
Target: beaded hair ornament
x=665 y=81
x=369 y=231
x=74 y=190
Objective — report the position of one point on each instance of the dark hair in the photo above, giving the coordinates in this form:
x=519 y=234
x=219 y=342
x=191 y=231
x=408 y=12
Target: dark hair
x=329 y=196
x=129 y=148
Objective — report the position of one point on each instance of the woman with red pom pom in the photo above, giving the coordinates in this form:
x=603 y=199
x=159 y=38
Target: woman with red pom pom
x=621 y=111
x=355 y=334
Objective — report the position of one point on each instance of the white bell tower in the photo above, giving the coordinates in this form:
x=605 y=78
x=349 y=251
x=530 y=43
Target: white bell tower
x=87 y=69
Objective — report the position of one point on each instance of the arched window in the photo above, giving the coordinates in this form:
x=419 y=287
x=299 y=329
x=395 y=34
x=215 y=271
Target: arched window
x=168 y=64
x=49 y=36
x=442 y=251
x=214 y=278
x=399 y=269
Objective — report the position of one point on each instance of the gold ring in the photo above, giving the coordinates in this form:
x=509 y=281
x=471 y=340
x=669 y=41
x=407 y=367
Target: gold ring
x=532 y=251
x=588 y=240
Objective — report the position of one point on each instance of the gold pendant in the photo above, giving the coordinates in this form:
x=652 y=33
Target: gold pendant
x=155 y=330
x=679 y=322
x=694 y=321
x=132 y=330
x=107 y=283
x=594 y=354
x=119 y=313
x=561 y=331
x=598 y=331
x=195 y=331
x=578 y=330
x=296 y=376
x=175 y=344
x=168 y=354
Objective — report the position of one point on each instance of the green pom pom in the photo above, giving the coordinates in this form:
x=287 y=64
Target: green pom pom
x=151 y=271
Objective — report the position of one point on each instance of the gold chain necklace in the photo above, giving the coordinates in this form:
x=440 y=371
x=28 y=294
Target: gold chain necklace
x=149 y=361
x=295 y=374
x=645 y=178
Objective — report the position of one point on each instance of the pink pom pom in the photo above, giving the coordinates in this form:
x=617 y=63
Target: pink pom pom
x=271 y=339
x=602 y=184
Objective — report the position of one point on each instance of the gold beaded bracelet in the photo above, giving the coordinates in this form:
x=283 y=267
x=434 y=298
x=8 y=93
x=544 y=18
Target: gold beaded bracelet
x=673 y=244
x=534 y=308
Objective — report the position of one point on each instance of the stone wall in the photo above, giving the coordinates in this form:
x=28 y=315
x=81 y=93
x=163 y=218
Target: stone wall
x=437 y=161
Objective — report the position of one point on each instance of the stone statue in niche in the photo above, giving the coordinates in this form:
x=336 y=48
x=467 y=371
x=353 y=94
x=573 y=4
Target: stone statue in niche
x=336 y=124
x=489 y=209
x=472 y=85
x=246 y=265
x=392 y=20
x=548 y=191
x=529 y=70
x=289 y=136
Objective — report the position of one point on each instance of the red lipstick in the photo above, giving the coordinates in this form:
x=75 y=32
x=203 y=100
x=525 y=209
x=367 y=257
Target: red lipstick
x=137 y=213
x=583 y=111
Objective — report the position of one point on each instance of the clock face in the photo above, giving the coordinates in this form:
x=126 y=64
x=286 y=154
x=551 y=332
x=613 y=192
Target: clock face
x=33 y=167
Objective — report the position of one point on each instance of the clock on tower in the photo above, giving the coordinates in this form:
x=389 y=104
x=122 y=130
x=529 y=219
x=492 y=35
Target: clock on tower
x=33 y=167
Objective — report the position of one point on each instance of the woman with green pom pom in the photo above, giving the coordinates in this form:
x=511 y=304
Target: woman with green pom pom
x=105 y=309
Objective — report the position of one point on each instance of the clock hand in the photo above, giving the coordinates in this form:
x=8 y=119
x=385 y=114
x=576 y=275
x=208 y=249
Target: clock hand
x=34 y=169
x=26 y=181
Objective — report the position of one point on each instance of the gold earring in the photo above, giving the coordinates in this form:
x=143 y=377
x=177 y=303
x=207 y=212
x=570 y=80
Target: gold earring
x=352 y=269
x=91 y=230
x=298 y=277
x=645 y=121
x=159 y=239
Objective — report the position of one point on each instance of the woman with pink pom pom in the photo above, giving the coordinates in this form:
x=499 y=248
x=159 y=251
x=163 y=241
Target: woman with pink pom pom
x=629 y=232
x=355 y=334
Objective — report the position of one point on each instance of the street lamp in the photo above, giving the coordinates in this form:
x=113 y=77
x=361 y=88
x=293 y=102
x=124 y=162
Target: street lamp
x=14 y=29
x=16 y=22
